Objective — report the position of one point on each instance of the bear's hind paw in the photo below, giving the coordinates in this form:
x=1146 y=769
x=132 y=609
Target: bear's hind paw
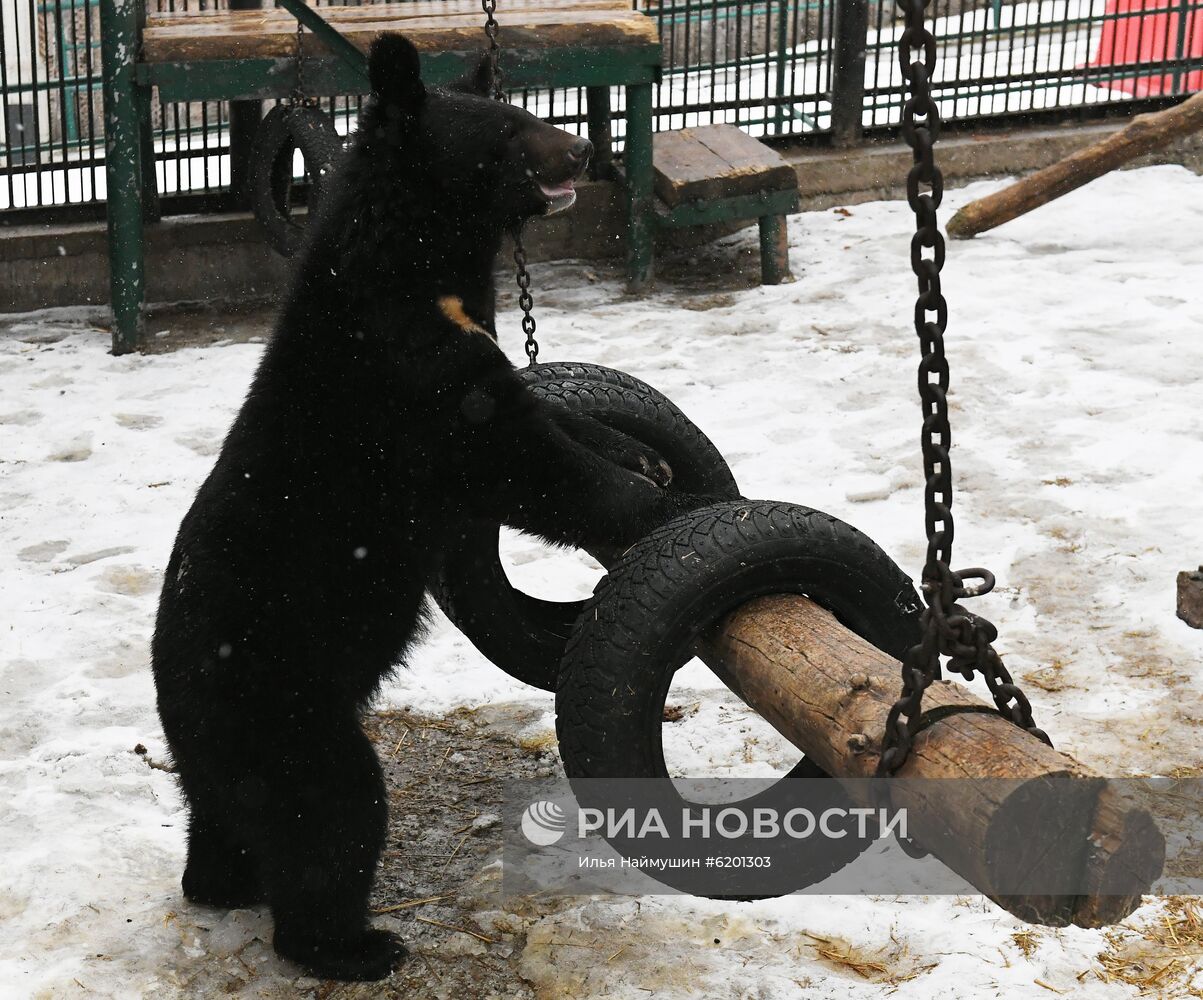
x=374 y=956
x=222 y=891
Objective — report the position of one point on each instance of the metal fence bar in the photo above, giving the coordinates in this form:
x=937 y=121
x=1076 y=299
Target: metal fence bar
x=848 y=64
x=119 y=25
x=244 y=117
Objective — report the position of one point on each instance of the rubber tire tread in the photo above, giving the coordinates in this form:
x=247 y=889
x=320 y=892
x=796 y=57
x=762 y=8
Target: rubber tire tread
x=526 y=636
x=684 y=576
x=639 y=626
x=282 y=130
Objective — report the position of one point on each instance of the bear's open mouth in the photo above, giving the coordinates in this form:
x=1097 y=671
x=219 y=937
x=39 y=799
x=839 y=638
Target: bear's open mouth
x=558 y=196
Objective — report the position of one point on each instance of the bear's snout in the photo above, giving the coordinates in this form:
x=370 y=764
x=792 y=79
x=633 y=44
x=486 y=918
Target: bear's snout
x=558 y=160
x=578 y=155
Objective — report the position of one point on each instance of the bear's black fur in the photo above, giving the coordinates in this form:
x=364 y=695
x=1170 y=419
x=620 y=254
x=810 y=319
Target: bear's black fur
x=382 y=415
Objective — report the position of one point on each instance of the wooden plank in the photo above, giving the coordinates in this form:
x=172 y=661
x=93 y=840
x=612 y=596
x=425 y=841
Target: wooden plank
x=717 y=161
x=264 y=35
x=680 y=160
x=389 y=11
x=740 y=150
x=247 y=21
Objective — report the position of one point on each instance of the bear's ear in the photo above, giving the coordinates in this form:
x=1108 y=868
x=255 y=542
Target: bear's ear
x=479 y=81
x=395 y=72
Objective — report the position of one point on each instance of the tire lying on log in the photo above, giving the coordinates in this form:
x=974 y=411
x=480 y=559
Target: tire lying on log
x=284 y=130
x=523 y=635
x=647 y=615
x=1042 y=835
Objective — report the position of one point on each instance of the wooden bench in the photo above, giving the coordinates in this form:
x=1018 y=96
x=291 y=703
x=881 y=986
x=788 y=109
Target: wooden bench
x=238 y=55
x=718 y=174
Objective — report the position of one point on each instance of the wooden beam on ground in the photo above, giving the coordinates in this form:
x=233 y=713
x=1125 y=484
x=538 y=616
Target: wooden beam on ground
x=1144 y=134
x=828 y=691
x=1190 y=597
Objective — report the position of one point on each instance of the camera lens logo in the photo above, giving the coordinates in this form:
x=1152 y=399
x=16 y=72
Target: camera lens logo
x=544 y=823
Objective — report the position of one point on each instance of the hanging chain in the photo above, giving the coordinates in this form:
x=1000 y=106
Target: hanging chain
x=525 y=301
x=491 y=26
x=947 y=628
x=298 y=95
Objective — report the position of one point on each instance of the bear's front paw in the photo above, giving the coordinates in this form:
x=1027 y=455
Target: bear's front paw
x=638 y=458
x=374 y=956
x=616 y=447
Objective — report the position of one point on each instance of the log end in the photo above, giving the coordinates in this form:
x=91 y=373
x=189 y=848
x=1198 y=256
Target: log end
x=1127 y=855
x=960 y=227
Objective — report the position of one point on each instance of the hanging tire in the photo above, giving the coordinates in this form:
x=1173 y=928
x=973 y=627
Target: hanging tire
x=641 y=623
x=524 y=635
x=283 y=130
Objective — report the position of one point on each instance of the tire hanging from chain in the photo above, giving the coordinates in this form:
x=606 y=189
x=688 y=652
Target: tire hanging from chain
x=525 y=301
x=947 y=628
x=297 y=124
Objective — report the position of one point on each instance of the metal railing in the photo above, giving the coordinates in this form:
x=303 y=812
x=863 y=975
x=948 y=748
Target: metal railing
x=774 y=67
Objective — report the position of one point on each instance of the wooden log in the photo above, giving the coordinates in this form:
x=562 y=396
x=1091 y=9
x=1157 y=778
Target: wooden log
x=828 y=691
x=1144 y=134
x=1190 y=597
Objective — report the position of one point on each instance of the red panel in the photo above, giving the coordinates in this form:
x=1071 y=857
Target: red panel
x=1149 y=38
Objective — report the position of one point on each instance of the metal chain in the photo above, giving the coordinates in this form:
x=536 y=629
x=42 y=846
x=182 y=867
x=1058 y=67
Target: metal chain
x=298 y=95
x=525 y=302
x=947 y=628
x=491 y=26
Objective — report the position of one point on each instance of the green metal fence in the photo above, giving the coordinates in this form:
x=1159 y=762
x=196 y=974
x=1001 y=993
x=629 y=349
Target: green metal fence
x=819 y=68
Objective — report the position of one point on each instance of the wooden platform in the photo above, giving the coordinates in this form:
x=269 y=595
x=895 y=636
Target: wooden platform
x=251 y=55
x=720 y=174
x=717 y=161
x=182 y=36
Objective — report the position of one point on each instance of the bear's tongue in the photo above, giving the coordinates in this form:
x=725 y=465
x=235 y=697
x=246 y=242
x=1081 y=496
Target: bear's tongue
x=559 y=196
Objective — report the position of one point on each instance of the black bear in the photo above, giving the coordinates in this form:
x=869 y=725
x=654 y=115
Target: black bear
x=382 y=416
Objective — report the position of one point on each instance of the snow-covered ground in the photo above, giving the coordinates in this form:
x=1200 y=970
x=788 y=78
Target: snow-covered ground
x=1078 y=423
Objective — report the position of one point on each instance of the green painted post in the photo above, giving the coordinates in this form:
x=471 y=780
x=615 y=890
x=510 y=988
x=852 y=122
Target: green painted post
x=119 y=51
x=783 y=56
x=146 y=138
x=774 y=250
x=848 y=66
x=638 y=157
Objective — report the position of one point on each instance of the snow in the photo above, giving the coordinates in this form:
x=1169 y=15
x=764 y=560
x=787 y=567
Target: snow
x=1079 y=464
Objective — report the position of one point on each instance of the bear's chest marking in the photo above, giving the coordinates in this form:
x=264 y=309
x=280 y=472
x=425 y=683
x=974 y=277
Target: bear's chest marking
x=452 y=306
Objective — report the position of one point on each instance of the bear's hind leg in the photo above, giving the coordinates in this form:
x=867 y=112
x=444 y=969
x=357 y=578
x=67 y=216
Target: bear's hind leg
x=221 y=870
x=326 y=836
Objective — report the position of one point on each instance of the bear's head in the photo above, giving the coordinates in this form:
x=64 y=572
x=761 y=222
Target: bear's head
x=477 y=158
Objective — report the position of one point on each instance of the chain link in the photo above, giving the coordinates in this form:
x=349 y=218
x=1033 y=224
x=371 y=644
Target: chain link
x=298 y=95
x=525 y=302
x=947 y=629
x=491 y=27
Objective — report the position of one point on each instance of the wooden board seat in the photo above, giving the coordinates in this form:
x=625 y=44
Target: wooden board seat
x=716 y=161
x=456 y=25
x=245 y=56
x=719 y=174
